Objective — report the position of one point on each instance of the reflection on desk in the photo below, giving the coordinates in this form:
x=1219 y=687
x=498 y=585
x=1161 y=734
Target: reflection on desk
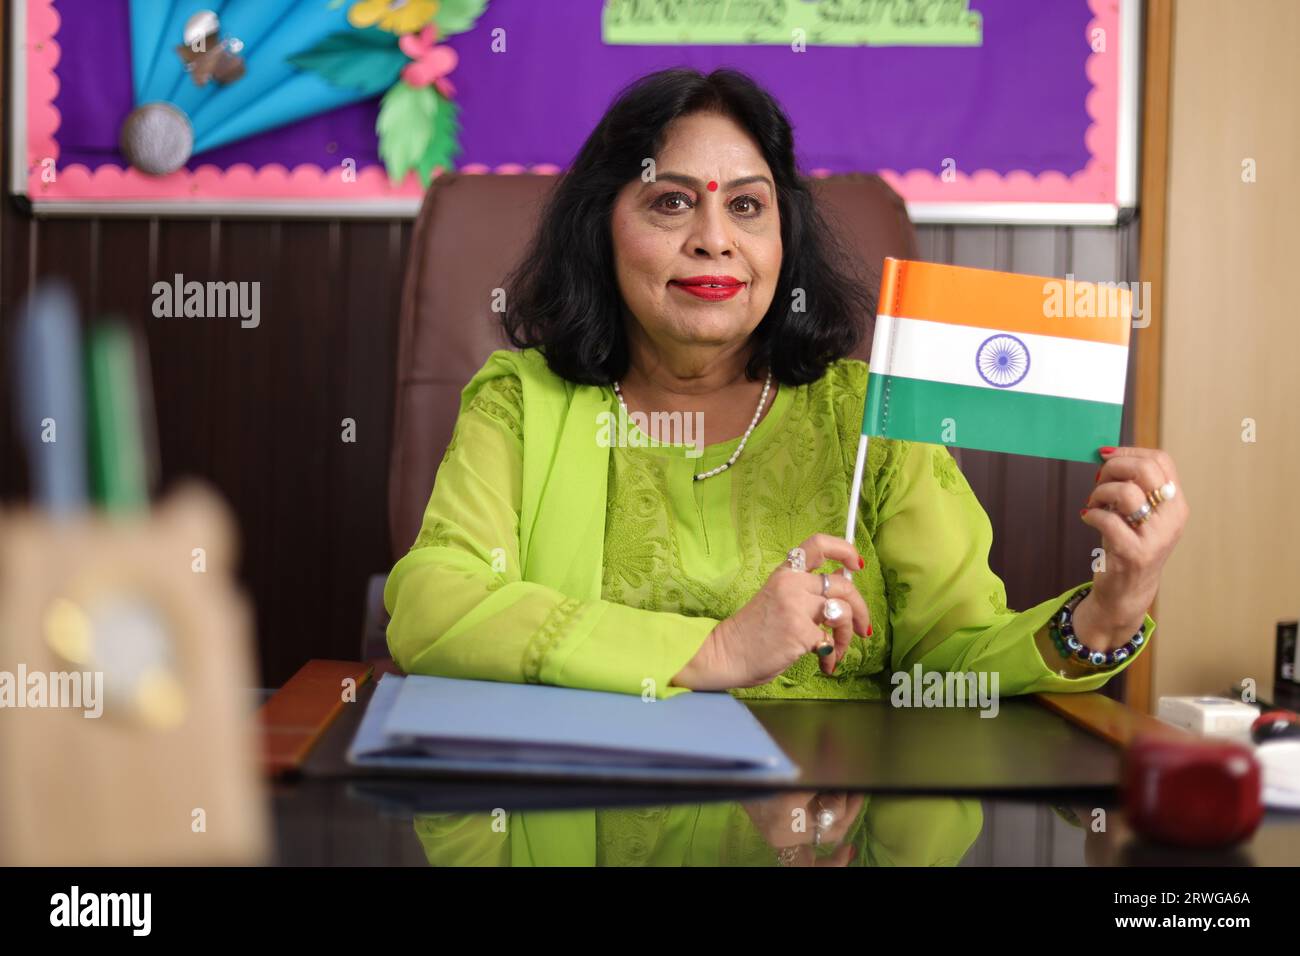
x=449 y=823
x=937 y=787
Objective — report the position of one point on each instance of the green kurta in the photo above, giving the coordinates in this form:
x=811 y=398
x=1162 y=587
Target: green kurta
x=547 y=557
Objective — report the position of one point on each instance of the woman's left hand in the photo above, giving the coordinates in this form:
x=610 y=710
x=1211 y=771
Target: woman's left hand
x=1125 y=587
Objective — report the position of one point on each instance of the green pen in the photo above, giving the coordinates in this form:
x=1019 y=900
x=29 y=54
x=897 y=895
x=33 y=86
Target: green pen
x=118 y=469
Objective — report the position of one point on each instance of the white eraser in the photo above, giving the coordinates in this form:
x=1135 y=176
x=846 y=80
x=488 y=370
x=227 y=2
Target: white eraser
x=1209 y=716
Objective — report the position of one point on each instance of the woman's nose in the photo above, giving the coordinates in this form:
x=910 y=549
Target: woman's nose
x=711 y=235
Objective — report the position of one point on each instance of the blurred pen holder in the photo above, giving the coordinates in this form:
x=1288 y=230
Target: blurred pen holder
x=127 y=729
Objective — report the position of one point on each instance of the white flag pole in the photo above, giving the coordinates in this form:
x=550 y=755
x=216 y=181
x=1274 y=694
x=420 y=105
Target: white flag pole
x=855 y=493
x=882 y=342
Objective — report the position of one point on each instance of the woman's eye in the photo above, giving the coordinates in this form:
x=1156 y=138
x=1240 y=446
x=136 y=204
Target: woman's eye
x=673 y=202
x=746 y=205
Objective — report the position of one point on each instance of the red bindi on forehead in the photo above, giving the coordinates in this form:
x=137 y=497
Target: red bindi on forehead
x=713 y=186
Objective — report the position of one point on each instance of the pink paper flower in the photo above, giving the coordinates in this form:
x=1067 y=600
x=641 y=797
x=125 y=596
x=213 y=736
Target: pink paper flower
x=431 y=63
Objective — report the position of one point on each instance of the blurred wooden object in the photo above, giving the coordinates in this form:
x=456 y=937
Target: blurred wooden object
x=167 y=774
x=1108 y=719
x=300 y=711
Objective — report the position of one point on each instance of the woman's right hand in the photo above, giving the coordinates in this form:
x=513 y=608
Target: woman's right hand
x=781 y=623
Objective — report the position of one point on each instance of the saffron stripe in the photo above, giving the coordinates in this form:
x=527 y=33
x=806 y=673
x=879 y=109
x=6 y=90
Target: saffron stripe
x=1039 y=305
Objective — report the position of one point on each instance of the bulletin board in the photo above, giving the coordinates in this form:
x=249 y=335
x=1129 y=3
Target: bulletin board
x=974 y=110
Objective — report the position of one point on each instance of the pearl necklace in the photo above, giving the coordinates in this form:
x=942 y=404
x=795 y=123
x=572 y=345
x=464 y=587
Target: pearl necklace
x=753 y=423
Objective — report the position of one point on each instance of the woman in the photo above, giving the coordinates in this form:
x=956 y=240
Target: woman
x=682 y=268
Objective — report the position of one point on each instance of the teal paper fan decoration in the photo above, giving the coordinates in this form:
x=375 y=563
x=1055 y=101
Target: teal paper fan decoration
x=207 y=74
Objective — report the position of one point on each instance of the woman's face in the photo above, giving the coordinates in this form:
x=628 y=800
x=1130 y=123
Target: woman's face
x=699 y=265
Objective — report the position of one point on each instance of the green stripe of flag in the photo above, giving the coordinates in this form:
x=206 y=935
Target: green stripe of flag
x=991 y=419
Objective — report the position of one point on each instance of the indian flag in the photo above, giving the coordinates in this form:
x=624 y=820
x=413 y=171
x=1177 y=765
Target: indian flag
x=998 y=361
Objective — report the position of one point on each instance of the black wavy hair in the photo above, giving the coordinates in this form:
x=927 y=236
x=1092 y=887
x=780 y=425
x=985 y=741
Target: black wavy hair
x=563 y=298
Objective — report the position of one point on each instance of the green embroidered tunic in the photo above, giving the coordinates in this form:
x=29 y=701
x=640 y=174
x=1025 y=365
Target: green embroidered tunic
x=529 y=568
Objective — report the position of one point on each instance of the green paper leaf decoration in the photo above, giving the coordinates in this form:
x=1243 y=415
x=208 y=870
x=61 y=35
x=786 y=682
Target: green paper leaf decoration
x=406 y=128
x=457 y=16
x=368 y=61
x=444 y=145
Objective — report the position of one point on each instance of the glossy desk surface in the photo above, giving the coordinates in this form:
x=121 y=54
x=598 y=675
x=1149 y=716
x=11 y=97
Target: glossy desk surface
x=923 y=786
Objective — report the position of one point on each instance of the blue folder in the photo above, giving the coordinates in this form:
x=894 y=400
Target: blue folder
x=467 y=726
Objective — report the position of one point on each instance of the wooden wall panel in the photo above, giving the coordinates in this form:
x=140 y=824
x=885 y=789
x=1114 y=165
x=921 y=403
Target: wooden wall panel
x=1230 y=343
x=255 y=412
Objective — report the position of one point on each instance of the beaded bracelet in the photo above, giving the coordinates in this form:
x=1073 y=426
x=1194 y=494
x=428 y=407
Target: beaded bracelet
x=1063 y=636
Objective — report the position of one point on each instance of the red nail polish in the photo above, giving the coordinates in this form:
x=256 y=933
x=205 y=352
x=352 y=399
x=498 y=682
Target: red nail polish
x=861 y=563
x=1106 y=450
x=1083 y=512
x=868 y=630
x=1098 y=478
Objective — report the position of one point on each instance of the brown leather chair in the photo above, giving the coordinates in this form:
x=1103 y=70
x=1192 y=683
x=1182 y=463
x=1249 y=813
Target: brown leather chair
x=471 y=230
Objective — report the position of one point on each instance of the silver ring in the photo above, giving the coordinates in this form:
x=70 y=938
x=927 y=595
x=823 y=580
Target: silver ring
x=1141 y=515
x=797 y=559
x=826 y=585
x=823 y=820
x=832 y=610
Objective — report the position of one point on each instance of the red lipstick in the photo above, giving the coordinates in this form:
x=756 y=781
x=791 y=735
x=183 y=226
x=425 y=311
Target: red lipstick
x=710 y=288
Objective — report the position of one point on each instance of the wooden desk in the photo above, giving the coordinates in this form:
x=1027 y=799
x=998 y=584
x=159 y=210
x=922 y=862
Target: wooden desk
x=1025 y=777
x=1056 y=743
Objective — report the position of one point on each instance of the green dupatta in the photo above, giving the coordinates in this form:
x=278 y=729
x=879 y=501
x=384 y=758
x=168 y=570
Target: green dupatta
x=561 y=544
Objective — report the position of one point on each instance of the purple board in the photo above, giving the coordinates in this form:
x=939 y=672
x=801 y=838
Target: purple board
x=1029 y=115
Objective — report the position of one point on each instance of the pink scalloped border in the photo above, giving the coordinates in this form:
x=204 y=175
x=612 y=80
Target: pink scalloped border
x=1095 y=183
